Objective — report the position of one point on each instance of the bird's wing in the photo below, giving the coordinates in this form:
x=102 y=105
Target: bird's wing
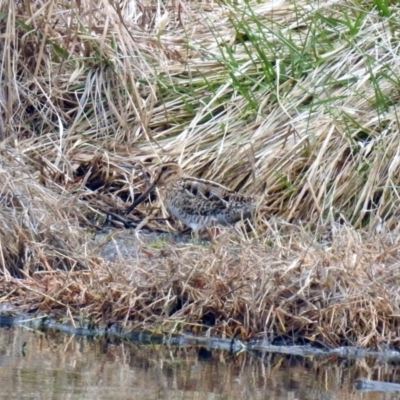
x=209 y=196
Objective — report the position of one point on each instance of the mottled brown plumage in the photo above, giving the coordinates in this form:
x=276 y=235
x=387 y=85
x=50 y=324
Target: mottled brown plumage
x=199 y=203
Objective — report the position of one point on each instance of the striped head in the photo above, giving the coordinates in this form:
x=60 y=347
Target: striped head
x=167 y=173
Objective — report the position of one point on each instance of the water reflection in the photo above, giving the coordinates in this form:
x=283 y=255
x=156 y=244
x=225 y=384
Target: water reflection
x=52 y=365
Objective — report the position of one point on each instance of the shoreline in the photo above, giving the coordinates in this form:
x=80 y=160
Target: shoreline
x=310 y=291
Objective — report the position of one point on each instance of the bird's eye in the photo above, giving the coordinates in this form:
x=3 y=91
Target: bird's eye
x=164 y=168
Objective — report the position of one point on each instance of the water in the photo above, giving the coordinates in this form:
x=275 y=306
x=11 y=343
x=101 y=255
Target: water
x=35 y=365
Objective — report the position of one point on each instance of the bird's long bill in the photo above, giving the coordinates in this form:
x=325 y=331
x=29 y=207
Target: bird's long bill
x=140 y=198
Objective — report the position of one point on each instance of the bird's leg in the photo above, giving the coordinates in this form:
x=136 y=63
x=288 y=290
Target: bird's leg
x=195 y=236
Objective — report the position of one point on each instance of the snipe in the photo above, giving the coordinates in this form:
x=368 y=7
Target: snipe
x=198 y=203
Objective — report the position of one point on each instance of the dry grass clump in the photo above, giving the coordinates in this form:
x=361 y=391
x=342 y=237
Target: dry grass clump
x=294 y=290
x=39 y=224
x=297 y=97
x=294 y=102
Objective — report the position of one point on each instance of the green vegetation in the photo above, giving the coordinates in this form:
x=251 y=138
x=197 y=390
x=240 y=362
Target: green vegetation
x=295 y=103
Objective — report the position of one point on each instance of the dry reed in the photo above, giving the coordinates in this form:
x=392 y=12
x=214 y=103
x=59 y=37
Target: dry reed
x=294 y=102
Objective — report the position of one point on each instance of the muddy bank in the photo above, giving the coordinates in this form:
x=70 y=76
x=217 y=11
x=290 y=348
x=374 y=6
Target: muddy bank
x=259 y=348
x=292 y=290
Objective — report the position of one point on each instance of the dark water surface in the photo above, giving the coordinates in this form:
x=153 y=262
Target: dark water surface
x=35 y=365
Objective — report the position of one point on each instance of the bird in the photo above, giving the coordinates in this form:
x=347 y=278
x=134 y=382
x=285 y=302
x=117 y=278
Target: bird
x=198 y=203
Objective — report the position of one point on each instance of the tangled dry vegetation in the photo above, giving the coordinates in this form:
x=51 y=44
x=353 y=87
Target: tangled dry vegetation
x=292 y=101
